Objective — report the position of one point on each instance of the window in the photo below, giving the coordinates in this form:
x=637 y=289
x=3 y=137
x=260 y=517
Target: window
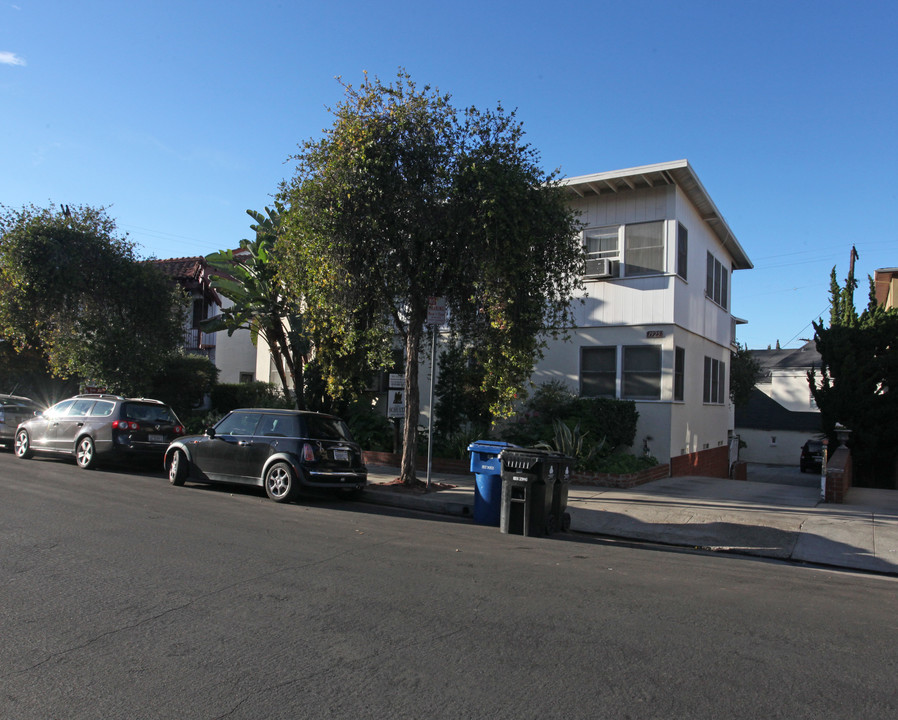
x=644 y=248
x=714 y=381
x=682 y=250
x=602 y=242
x=278 y=426
x=679 y=373
x=238 y=423
x=716 y=281
x=641 y=372
x=81 y=407
x=102 y=408
x=598 y=372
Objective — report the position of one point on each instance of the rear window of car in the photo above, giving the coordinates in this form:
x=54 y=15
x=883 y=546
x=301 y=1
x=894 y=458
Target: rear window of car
x=319 y=427
x=148 y=413
x=814 y=446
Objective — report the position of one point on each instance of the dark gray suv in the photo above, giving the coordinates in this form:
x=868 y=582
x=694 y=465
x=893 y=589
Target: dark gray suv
x=96 y=427
x=284 y=451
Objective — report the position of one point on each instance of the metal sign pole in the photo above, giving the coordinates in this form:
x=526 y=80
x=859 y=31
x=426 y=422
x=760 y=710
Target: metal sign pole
x=433 y=355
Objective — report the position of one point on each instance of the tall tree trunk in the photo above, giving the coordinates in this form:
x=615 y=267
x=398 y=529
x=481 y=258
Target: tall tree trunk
x=410 y=433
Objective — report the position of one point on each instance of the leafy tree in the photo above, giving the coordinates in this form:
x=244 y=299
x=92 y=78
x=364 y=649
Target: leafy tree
x=407 y=198
x=75 y=292
x=745 y=371
x=856 y=384
x=460 y=403
x=248 y=278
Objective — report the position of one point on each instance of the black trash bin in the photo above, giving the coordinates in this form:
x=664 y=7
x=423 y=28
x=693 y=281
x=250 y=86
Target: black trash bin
x=560 y=467
x=527 y=492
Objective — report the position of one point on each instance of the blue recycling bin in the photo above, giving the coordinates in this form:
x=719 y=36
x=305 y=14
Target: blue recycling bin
x=487 y=469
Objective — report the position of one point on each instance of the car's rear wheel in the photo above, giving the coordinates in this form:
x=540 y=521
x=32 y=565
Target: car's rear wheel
x=177 y=468
x=85 y=453
x=23 y=445
x=280 y=483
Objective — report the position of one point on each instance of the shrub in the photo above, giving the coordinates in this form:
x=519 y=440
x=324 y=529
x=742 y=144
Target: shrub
x=605 y=421
x=369 y=428
x=229 y=396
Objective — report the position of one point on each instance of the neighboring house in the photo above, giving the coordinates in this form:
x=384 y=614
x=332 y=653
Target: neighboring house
x=656 y=325
x=885 y=284
x=235 y=356
x=781 y=413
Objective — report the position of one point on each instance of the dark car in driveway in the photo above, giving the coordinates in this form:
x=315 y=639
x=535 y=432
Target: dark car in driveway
x=96 y=427
x=284 y=451
x=811 y=456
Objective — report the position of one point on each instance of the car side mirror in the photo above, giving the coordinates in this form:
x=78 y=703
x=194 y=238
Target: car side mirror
x=209 y=432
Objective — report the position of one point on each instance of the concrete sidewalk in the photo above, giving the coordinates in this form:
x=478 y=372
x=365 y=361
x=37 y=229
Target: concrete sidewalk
x=765 y=519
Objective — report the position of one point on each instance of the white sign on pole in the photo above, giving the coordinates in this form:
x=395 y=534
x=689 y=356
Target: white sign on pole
x=396 y=404
x=436 y=311
x=397 y=381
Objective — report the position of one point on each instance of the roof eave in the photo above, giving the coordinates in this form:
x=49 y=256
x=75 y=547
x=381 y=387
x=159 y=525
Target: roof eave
x=679 y=173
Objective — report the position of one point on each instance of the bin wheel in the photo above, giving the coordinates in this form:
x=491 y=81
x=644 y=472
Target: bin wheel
x=551 y=525
x=565 y=522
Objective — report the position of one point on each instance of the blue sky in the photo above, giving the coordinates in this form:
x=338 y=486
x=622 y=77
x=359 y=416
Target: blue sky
x=179 y=116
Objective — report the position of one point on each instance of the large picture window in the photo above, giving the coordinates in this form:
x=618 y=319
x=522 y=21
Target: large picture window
x=644 y=249
x=598 y=372
x=641 y=372
x=638 y=248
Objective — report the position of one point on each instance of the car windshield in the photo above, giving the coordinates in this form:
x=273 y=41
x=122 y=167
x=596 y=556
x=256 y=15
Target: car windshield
x=148 y=413
x=320 y=427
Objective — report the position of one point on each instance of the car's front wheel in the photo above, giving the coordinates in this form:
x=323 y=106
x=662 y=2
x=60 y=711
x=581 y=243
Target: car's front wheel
x=177 y=468
x=280 y=483
x=23 y=445
x=85 y=453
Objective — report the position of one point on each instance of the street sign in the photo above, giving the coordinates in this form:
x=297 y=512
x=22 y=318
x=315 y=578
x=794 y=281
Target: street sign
x=397 y=381
x=436 y=311
x=395 y=404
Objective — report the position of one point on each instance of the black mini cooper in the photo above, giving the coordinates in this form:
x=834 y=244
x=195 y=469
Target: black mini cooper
x=284 y=451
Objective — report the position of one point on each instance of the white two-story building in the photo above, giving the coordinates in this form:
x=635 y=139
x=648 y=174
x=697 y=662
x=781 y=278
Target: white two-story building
x=656 y=325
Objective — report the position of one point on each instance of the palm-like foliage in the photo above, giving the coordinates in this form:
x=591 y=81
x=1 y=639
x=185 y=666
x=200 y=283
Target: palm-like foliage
x=572 y=442
x=248 y=278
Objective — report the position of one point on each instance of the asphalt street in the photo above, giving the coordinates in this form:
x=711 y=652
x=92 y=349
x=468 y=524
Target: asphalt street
x=124 y=597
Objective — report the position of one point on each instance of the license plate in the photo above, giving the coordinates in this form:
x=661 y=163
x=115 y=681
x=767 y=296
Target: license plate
x=157 y=438
x=341 y=455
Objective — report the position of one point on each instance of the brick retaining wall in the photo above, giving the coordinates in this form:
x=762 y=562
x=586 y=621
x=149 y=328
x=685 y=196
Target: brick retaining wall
x=714 y=462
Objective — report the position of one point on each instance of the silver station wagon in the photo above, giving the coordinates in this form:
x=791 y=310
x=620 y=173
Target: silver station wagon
x=97 y=427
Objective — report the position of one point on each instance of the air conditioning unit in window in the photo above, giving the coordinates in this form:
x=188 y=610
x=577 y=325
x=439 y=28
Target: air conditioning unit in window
x=599 y=268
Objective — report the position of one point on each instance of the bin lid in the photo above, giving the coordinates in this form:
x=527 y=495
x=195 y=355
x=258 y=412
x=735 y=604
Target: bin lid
x=524 y=458
x=490 y=446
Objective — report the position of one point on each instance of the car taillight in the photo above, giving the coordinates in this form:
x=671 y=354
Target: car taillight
x=124 y=425
x=308 y=453
x=179 y=430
